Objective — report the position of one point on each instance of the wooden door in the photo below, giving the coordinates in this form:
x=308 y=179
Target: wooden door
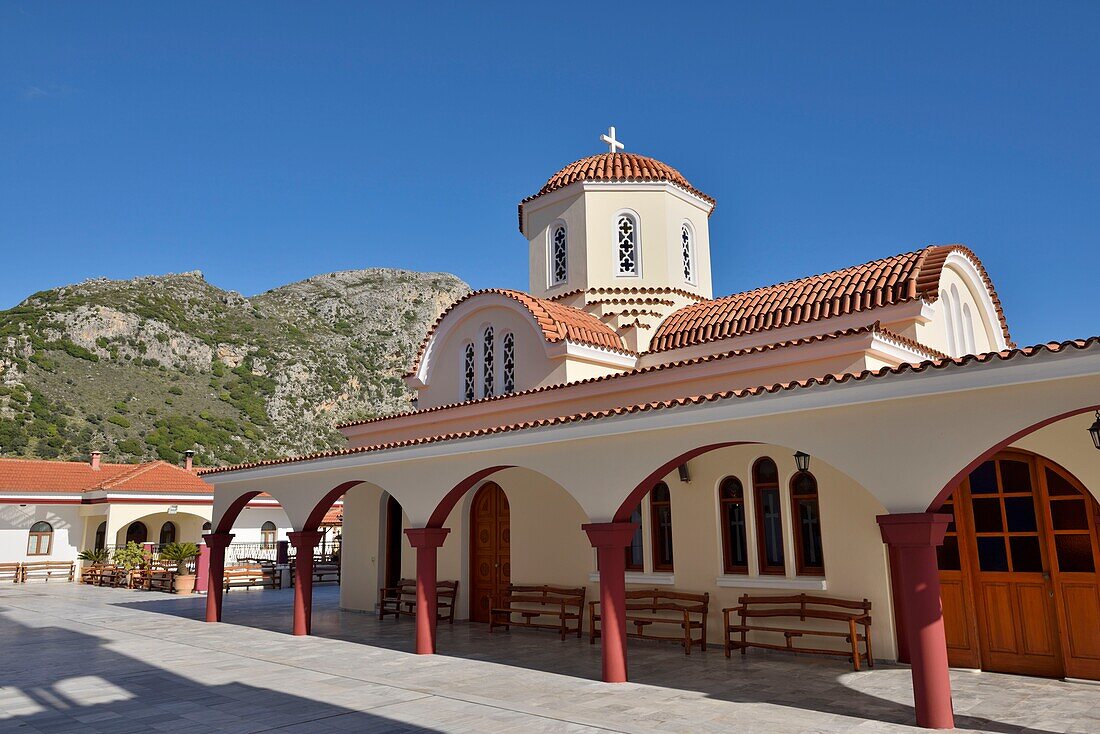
x=1071 y=520
x=490 y=557
x=1018 y=631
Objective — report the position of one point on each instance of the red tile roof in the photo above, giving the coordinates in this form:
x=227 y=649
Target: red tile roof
x=32 y=475
x=968 y=361
x=892 y=280
x=621 y=167
x=557 y=321
x=875 y=328
x=334 y=516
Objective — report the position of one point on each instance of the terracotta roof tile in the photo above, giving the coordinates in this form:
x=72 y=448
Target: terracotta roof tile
x=609 y=167
x=557 y=321
x=32 y=475
x=968 y=361
x=892 y=280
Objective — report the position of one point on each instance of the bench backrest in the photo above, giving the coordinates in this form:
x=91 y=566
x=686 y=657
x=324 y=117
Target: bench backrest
x=48 y=565
x=243 y=572
x=443 y=589
x=659 y=600
x=805 y=605
x=545 y=595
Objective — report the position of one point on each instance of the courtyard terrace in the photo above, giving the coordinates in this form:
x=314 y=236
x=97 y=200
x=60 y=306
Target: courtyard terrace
x=82 y=659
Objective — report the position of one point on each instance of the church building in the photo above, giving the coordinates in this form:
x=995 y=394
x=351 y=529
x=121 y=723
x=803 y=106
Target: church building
x=869 y=434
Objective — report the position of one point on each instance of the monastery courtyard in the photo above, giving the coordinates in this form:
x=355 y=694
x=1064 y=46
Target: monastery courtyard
x=83 y=659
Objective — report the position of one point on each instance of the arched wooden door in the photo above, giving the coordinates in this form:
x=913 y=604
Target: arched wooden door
x=1019 y=570
x=490 y=557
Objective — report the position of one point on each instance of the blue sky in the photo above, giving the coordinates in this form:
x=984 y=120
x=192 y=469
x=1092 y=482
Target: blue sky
x=267 y=142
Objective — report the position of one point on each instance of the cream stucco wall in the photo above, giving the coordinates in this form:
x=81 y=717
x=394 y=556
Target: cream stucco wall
x=15 y=525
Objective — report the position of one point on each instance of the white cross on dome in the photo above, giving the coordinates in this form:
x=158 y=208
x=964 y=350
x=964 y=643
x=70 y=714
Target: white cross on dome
x=612 y=143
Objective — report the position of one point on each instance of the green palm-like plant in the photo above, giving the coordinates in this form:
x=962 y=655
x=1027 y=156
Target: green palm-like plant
x=97 y=556
x=181 y=553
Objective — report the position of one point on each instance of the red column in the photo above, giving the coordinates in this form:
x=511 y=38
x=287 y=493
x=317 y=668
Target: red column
x=913 y=538
x=217 y=543
x=610 y=539
x=427 y=542
x=202 y=568
x=304 y=542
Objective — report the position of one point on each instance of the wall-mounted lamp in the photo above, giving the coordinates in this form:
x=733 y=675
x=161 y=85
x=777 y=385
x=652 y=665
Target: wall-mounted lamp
x=1094 y=431
x=802 y=461
x=683 y=471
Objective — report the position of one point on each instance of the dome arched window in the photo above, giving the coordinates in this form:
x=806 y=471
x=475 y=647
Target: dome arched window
x=469 y=373
x=687 y=251
x=488 y=363
x=626 y=234
x=508 y=363
x=559 y=255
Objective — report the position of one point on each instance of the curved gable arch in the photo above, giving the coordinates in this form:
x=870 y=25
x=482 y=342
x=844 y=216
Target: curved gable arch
x=989 y=319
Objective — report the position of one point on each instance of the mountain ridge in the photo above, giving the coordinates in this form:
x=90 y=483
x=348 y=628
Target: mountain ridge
x=152 y=366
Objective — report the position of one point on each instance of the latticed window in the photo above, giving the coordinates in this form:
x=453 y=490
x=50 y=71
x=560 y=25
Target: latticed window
x=660 y=509
x=731 y=497
x=469 y=374
x=686 y=248
x=769 y=517
x=807 y=515
x=488 y=354
x=559 y=256
x=509 y=359
x=634 y=552
x=627 y=232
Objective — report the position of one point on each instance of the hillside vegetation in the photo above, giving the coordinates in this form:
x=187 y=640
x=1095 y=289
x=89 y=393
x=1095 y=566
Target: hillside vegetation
x=151 y=367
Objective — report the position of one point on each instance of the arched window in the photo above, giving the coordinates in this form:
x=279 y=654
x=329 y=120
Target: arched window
x=687 y=252
x=40 y=541
x=137 y=533
x=559 y=255
x=660 y=513
x=634 y=554
x=731 y=499
x=268 y=534
x=167 y=533
x=509 y=363
x=626 y=232
x=769 y=517
x=101 y=536
x=807 y=518
x=469 y=374
x=488 y=355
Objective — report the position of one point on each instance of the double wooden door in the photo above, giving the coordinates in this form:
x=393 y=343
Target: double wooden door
x=490 y=557
x=1019 y=571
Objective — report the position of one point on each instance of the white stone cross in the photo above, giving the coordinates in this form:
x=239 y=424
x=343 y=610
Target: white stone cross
x=612 y=143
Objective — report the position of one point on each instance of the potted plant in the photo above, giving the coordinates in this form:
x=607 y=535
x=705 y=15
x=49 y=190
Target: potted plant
x=130 y=557
x=182 y=554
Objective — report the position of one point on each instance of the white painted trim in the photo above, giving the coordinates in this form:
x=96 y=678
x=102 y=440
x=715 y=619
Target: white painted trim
x=1044 y=367
x=963 y=265
x=8 y=497
x=743 y=581
x=588 y=353
x=640 y=577
x=582 y=187
x=892 y=350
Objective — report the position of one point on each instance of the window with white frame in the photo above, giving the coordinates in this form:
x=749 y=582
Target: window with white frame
x=508 y=361
x=40 y=539
x=626 y=232
x=488 y=355
x=469 y=373
x=559 y=255
x=687 y=249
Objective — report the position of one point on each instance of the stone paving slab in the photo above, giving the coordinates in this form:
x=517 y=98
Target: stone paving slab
x=77 y=658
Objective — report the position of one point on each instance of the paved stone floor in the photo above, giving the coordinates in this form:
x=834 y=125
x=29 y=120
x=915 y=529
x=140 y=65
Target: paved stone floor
x=80 y=659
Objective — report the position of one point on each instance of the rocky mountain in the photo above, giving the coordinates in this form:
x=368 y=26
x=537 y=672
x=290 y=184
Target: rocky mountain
x=154 y=366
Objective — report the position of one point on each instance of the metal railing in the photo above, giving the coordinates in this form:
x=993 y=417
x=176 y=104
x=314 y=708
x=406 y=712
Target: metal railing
x=328 y=551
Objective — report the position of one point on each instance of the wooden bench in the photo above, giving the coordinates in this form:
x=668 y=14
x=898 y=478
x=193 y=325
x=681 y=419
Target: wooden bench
x=401 y=600
x=106 y=575
x=12 y=572
x=156 y=576
x=532 y=602
x=323 y=572
x=850 y=614
x=48 y=570
x=247 y=576
x=269 y=568
x=649 y=607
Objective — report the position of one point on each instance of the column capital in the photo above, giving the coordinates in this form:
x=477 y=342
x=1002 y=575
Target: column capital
x=426 y=537
x=218 y=540
x=610 y=534
x=913 y=529
x=304 y=538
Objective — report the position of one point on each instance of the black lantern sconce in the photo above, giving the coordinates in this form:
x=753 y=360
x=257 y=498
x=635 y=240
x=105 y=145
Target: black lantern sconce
x=1094 y=431
x=802 y=461
x=683 y=471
